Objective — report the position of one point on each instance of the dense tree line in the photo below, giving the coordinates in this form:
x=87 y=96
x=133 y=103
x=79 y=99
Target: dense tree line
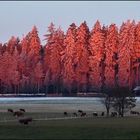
x=80 y=60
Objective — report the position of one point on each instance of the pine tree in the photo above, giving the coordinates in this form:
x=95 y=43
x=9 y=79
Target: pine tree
x=135 y=57
x=69 y=58
x=9 y=72
x=111 y=50
x=53 y=58
x=24 y=67
x=136 y=50
x=81 y=66
x=33 y=55
x=96 y=47
x=12 y=43
x=126 y=44
x=39 y=76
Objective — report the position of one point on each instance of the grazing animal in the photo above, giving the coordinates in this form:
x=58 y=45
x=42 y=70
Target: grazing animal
x=75 y=114
x=113 y=114
x=134 y=112
x=18 y=113
x=95 y=114
x=83 y=114
x=10 y=110
x=65 y=114
x=102 y=114
x=25 y=120
x=80 y=111
x=21 y=109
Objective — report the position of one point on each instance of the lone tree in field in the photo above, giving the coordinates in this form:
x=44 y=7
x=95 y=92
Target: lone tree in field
x=107 y=101
x=120 y=99
x=123 y=100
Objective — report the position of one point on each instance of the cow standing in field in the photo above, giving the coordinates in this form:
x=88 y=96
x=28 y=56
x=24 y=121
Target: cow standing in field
x=102 y=114
x=113 y=114
x=21 y=109
x=83 y=114
x=95 y=114
x=18 y=113
x=80 y=111
x=65 y=114
x=25 y=120
x=134 y=113
x=75 y=114
x=10 y=110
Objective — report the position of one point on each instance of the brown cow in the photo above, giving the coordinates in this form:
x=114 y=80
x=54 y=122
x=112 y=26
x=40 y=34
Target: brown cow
x=80 y=111
x=83 y=114
x=75 y=114
x=21 y=109
x=102 y=114
x=95 y=114
x=134 y=112
x=18 y=113
x=65 y=114
x=25 y=120
x=10 y=110
x=113 y=114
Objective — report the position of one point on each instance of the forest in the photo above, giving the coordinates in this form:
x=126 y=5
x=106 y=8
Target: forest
x=80 y=60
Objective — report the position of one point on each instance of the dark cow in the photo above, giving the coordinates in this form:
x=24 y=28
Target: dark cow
x=75 y=114
x=83 y=114
x=102 y=114
x=21 y=109
x=25 y=120
x=95 y=114
x=18 y=113
x=134 y=112
x=10 y=110
x=80 y=111
x=113 y=114
x=65 y=114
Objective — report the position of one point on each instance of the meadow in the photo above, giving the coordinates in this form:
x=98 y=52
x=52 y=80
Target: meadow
x=49 y=121
x=83 y=128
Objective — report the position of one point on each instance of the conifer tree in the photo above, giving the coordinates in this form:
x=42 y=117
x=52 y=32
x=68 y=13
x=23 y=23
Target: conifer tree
x=53 y=57
x=81 y=67
x=126 y=44
x=111 y=51
x=69 y=58
x=96 y=47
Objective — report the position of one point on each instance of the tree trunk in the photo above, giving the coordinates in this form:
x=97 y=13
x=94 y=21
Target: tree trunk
x=122 y=109
x=107 y=112
x=38 y=87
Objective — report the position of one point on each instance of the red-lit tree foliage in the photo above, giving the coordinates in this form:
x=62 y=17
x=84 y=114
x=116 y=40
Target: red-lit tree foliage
x=23 y=62
x=48 y=38
x=78 y=61
x=12 y=44
x=126 y=45
x=33 y=54
x=81 y=66
x=69 y=59
x=25 y=44
x=53 y=65
x=39 y=76
x=111 y=52
x=136 y=50
x=29 y=58
x=136 y=57
x=1 y=49
x=8 y=72
x=97 y=48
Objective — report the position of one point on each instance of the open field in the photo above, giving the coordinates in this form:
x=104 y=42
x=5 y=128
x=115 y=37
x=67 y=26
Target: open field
x=86 y=128
x=50 y=122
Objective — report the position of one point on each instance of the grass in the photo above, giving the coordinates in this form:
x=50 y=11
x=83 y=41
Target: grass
x=86 y=128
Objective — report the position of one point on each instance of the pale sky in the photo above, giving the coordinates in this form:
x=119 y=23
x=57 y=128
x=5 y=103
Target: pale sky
x=18 y=18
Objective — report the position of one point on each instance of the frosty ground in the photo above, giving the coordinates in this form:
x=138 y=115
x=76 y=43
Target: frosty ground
x=51 y=123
